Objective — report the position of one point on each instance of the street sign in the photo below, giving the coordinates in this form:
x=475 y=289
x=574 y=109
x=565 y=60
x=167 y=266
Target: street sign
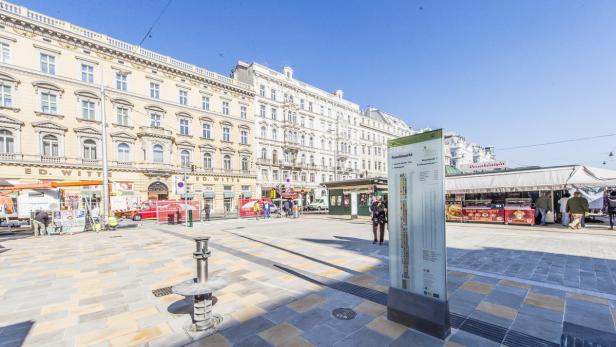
x=416 y=223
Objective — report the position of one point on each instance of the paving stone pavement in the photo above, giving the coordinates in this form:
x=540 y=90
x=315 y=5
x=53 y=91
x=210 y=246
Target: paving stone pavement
x=96 y=289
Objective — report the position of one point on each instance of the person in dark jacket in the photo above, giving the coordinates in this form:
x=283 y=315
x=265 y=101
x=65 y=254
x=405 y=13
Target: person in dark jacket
x=577 y=206
x=379 y=218
x=611 y=207
x=39 y=223
x=207 y=209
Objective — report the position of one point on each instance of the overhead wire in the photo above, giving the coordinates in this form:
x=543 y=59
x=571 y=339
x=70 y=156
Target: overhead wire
x=555 y=142
x=148 y=34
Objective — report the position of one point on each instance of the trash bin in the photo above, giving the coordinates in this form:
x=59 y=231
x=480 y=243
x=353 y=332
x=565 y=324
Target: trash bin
x=171 y=218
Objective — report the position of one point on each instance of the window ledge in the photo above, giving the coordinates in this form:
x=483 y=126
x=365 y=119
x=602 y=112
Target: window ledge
x=10 y=108
x=45 y=114
x=206 y=138
x=229 y=142
x=122 y=125
x=244 y=144
x=89 y=120
x=182 y=135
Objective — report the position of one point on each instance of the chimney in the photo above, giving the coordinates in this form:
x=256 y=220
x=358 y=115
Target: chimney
x=339 y=93
x=287 y=71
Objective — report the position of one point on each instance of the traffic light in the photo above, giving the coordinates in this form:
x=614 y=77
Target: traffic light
x=193 y=168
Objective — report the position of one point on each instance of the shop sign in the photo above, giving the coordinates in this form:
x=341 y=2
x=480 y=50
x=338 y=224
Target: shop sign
x=483 y=215
x=526 y=217
x=495 y=165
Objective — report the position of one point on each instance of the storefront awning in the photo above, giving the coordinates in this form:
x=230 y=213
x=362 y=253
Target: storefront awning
x=209 y=195
x=228 y=194
x=247 y=194
x=537 y=179
x=188 y=195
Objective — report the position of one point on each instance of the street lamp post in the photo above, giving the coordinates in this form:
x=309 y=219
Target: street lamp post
x=104 y=154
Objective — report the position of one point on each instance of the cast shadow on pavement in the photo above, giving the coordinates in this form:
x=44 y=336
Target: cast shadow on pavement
x=15 y=334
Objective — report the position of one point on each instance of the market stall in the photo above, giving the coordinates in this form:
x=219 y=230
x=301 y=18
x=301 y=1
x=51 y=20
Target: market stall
x=508 y=196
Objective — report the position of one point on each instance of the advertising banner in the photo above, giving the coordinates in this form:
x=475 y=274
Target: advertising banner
x=483 y=215
x=416 y=215
x=520 y=217
x=247 y=206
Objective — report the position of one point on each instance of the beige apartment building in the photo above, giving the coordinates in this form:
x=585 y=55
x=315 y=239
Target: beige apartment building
x=164 y=117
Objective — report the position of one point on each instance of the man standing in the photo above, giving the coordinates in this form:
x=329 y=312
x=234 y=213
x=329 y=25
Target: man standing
x=207 y=208
x=39 y=223
x=379 y=218
x=257 y=209
x=563 y=209
x=542 y=206
x=266 y=210
x=611 y=207
x=577 y=206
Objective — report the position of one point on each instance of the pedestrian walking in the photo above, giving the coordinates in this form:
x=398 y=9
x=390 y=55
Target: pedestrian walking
x=286 y=208
x=267 y=209
x=577 y=206
x=564 y=215
x=542 y=206
x=379 y=218
x=39 y=223
x=257 y=209
x=207 y=209
x=611 y=207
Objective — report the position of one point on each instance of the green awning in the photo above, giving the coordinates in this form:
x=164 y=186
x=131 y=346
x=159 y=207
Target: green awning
x=228 y=194
x=247 y=194
x=188 y=195
x=209 y=195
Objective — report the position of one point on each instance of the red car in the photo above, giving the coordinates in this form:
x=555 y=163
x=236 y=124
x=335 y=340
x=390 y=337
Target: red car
x=149 y=210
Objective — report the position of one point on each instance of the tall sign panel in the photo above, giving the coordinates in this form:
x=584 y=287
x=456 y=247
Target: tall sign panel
x=417 y=250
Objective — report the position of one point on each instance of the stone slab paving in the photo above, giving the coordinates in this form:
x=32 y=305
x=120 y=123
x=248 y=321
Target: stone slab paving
x=96 y=290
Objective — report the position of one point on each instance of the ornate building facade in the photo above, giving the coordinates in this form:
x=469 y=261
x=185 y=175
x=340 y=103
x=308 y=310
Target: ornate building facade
x=164 y=117
x=311 y=136
x=459 y=152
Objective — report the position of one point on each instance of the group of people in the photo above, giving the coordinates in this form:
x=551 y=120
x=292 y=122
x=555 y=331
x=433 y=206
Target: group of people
x=572 y=209
x=267 y=207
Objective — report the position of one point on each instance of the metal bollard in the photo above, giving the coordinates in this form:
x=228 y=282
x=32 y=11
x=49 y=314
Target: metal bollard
x=201 y=254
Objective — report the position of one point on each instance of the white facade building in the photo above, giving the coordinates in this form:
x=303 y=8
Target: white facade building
x=460 y=152
x=312 y=136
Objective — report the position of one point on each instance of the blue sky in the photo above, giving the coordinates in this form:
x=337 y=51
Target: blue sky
x=502 y=73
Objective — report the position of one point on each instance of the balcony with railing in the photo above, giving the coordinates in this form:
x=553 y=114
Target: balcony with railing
x=52 y=159
x=91 y=162
x=155 y=132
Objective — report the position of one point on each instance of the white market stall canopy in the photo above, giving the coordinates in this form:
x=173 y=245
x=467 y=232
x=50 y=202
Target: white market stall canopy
x=551 y=178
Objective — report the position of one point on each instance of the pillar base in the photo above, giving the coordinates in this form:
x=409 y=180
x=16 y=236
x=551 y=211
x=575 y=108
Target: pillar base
x=419 y=312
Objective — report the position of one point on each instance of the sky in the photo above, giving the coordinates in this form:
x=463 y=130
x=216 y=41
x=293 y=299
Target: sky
x=501 y=73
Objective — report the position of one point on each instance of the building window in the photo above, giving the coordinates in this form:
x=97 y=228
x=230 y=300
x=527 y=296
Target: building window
x=273 y=94
x=226 y=162
x=274 y=134
x=207 y=130
x=48 y=64
x=87 y=73
x=322 y=110
x=225 y=108
x=50 y=146
x=264 y=174
x=6 y=95
x=121 y=81
x=301 y=103
x=155 y=119
x=185 y=158
x=207 y=161
x=262 y=110
x=122 y=115
x=244 y=137
x=49 y=102
x=89 y=150
x=183 y=126
x=243 y=112
x=183 y=97
x=7 y=142
x=154 y=90
x=5 y=52
x=263 y=153
x=87 y=109
x=275 y=175
x=123 y=152
x=310 y=106
x=274 y=113
x=310 y=141
x=322 y=177
x=226 y=134
x=205 y=103
x=157 y=153
x=263 y=132
x=245 y=164
x=262 y=90
x=311 y=178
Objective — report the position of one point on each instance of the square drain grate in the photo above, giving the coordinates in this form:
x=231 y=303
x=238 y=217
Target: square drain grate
x=162 y=291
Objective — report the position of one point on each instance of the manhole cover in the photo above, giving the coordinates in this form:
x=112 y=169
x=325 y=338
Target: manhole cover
x=344 y=313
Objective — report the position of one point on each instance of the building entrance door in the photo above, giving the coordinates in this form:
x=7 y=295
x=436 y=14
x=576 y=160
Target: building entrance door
x=158 y=191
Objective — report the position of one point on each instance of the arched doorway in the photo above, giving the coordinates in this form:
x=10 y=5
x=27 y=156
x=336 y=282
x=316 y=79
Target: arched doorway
x=158 y=191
